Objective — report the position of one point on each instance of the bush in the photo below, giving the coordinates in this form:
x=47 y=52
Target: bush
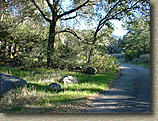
x=118 y=55
x=145 y=58
x=104 y=63
x=135 y=60
x=101 y=63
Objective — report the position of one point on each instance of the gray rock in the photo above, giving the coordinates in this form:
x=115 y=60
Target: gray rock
x=69 y=80
x=55 y=87
x=91 y=70
x=9 y=83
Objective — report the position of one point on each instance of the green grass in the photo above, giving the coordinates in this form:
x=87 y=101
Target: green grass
x=38 y=94
x=142 y=65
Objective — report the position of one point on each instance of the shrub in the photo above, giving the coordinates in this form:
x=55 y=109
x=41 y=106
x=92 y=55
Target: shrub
x=118 y=55
x=104 y=63
x=135 y=60
x=145 y=58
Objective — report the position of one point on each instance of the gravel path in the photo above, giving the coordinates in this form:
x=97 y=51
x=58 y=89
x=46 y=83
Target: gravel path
x=129 y=94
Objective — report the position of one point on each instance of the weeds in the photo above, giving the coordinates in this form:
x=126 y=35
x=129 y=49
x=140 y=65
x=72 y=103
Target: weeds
x=37 y=94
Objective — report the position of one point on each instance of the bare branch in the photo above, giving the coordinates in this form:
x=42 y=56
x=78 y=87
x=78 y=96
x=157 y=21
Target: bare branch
x=50 y=5
x=73 y=10
x=105 y=19
x=69 y=31
x=126 y=9
x=69 y=17
x=21 y=21
x=108 y=14
x=44 y=16
x=2 y=16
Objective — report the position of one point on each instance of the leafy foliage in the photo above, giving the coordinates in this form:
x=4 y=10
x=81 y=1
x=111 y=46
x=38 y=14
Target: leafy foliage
x=22 y=38
x=25 y=37
x=72 y=54
x=137 y=40
x=145 y=58
x=104 y=63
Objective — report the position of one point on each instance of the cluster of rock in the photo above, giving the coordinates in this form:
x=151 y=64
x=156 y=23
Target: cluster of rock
x=70 y=79
x=8 y=83
x=66 y=80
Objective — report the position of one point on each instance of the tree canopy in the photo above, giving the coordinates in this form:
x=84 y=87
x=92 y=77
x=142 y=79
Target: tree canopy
x=51 y=29
x=137 y=41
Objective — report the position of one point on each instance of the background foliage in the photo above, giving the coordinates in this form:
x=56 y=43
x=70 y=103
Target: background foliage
x=137 y=41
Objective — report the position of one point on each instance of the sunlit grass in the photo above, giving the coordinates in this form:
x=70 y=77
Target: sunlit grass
x=38 y=93
x=142 y=65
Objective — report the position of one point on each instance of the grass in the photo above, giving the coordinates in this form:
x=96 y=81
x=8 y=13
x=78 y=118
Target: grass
x=39 y=97
x=147 y=66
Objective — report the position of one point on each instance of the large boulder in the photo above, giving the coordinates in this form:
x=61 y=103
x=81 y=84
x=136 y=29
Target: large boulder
x=55 y=87
x=9 y=83
x=69 y=80
x=91 y=70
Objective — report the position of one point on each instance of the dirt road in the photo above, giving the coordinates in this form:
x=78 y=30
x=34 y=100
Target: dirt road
x=130 y=93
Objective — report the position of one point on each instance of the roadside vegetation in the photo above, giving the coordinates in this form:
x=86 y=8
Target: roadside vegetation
x=145 y=65
x=37 y=97
x=43 y=41
x=136 y=43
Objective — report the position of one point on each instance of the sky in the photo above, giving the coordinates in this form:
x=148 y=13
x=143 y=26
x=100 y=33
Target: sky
x=119 y=31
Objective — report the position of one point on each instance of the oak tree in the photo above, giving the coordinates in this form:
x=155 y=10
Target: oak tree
x=57 y=12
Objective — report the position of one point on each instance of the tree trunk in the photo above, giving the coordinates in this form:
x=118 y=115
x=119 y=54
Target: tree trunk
x=51 y=40
x=10 y=51
x=15 y=49
x=5 y=49
x=91 y=50
x=90 y=56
